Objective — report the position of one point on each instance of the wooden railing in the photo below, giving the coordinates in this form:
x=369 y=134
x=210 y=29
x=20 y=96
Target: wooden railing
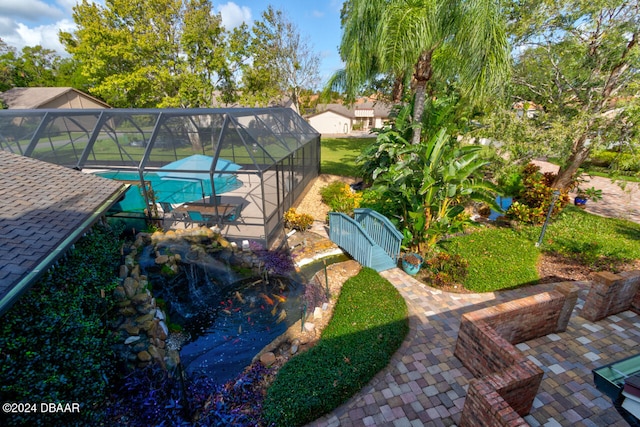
x=353 y=238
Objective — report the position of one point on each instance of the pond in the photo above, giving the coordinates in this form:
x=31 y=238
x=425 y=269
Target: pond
x=226 y=317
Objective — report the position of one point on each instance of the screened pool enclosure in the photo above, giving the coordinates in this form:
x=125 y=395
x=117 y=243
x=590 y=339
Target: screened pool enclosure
x=257 y=160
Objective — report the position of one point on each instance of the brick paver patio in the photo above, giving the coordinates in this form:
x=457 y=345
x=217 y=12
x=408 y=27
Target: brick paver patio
x=425 y=385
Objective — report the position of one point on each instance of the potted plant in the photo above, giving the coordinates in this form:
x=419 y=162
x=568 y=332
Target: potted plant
x=587 y=194
x=411 y=263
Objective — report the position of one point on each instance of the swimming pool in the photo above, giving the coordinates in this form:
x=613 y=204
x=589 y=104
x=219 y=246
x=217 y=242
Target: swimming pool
x=169 y=190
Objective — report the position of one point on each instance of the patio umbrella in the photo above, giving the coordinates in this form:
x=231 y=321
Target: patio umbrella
x=185 y=170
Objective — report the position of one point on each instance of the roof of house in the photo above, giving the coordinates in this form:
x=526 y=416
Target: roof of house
x=44 y=209
x=25 y=98
x=379 y=109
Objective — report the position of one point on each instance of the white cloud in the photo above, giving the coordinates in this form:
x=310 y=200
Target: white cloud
x=43 y=35
x=317 y=14
x=234 y=15
x=30 y=10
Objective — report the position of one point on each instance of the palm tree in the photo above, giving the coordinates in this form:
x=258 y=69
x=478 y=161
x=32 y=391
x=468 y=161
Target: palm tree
x=453 y=40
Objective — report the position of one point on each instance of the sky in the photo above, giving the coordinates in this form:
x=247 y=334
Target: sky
x=37 y=22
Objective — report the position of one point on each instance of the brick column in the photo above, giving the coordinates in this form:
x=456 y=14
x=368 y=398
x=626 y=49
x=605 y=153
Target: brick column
x=570 y=292
x=610 y=294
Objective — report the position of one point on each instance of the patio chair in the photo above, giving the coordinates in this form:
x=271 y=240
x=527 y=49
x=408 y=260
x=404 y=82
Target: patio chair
x=235 y=214
x=167 y=209
x=196 y=217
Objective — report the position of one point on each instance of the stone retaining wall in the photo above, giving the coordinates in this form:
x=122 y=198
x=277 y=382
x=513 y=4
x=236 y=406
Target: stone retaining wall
x=506 y=381
x=611 y=294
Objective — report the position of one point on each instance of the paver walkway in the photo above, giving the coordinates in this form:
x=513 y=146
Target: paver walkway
x=616 y=202
x=425 y=384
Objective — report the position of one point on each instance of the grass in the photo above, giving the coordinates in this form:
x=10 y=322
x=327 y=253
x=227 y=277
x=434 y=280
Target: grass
x=593 y=239
x=338 y=155
x=499 y=258
x=368 y=325
x=502 y=258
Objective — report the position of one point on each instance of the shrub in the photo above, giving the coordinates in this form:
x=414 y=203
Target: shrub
x=150 y=396
x=296 y=221
x=54 y=343
x=368 y=325
x=532 y=203
x=444 y=269
x=340 y=198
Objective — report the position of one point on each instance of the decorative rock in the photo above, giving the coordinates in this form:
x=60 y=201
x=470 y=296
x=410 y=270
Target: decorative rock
x=119 y=293
x=164 y=330
x=148 y=325
x=309 y=327
x=132 y=329
x=125 y=303
x=162 y=259
x=143 y=319
x=128 y=311
x=295 y=345
x=325 y=306
x=124 y=271
x=144 y=356
x=135 y=272
x=130 y=286
x=140 y=346
x=131 y=340
x=317 y=313
x=157 y=353
x=141 y=299
x=160 y=315
x=146 y=309
x=177 y=258
x=267 y=359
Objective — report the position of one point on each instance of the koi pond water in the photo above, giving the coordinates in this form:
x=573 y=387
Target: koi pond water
x=225 y=316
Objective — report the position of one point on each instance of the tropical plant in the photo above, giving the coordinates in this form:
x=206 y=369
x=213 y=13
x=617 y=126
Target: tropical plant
x=534 y=199
x=340 y=198
x=425 y=185
x=417 y=40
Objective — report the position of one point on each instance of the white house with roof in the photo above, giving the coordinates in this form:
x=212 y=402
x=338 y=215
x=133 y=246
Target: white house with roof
x=341 y=119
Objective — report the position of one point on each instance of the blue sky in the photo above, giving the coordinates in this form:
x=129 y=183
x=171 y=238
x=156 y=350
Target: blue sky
x=37 y=22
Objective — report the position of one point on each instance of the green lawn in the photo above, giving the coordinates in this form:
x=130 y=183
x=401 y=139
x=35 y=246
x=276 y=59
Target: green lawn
x=338 y=155
x=499 y=258
x=502 y=258
x=369 y=323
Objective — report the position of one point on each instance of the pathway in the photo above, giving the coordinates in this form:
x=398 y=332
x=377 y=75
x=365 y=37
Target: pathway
x=616 y=202
x=425 y=385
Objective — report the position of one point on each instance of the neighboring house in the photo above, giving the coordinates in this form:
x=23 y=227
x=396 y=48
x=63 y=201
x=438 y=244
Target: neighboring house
x=527 y=108
x=340 y=119
x=29 y=98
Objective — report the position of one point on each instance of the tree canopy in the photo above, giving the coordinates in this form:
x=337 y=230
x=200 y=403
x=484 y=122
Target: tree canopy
x=580 y=62
x=177 y=53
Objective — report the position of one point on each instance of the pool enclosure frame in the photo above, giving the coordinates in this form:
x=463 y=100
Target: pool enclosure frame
x=277 y=151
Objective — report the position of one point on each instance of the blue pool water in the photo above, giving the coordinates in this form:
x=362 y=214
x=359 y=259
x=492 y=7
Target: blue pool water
x=169 y=190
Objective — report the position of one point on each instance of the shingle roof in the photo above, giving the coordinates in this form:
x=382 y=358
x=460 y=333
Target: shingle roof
x=43 y=209
x=25 y=98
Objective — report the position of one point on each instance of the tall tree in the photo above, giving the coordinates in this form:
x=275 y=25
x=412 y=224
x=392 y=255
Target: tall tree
x=580 y=60
x=283 y=62
x=154 y=53
x=463 y=41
